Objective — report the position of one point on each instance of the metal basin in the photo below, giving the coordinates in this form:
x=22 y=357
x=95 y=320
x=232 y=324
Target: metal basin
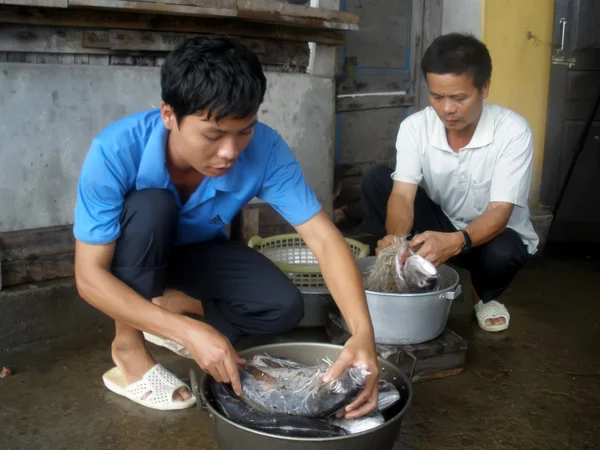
x=403 y=319
x=231 y=436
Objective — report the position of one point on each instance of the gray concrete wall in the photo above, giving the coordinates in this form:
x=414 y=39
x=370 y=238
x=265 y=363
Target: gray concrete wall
x=50 y=114
x=462 y=16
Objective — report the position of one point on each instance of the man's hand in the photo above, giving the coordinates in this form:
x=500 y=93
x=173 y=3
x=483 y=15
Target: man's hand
x=358 y=351
x=214 y=354
x=387 y=241
x=438 y=247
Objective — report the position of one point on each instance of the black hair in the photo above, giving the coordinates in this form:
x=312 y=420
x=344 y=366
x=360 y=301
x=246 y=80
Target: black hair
x=457 y=54
x=217 y=75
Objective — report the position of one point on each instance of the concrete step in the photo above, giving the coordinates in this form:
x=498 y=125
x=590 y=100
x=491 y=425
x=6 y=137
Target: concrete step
x=34 y=312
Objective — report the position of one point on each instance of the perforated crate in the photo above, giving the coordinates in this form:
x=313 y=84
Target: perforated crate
x=290 y=253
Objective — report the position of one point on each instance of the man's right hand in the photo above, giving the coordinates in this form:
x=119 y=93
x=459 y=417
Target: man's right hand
x=214 y=354
x=387 y=241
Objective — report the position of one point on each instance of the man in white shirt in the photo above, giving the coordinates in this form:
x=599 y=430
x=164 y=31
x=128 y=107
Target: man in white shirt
x=461 y=182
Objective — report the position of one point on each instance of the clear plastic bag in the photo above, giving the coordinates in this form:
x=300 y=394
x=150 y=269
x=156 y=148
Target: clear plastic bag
x=287 y=408
x=277 y=385
x=398 y=269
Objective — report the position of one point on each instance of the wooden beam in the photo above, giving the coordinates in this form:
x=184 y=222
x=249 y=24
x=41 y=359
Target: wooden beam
x=361 y=103
x=36 y=255
x=114 y=42
x=38 y=3
x=83 y=18
x=274 y=11
x=206 y=8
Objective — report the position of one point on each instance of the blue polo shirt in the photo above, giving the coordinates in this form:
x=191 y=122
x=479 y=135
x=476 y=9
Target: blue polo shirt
x=130 y=155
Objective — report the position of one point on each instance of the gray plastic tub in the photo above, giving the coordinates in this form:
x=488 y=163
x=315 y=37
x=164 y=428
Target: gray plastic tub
x=231 y=436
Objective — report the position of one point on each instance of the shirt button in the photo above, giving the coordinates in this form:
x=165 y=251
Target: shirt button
x=463 y=178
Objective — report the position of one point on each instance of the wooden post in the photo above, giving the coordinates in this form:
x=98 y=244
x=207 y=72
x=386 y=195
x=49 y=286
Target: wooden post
x=323 y=57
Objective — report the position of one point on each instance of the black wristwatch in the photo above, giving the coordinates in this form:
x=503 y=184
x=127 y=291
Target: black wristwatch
x=467 y=244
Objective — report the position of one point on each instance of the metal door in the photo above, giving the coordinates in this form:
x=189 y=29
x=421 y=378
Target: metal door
x=574 y=86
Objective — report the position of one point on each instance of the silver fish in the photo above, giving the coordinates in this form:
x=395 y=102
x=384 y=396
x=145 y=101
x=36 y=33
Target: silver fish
x=388 y=395
x=367 y=422
x=419 y=275
x=398 y=269
x=299 y=391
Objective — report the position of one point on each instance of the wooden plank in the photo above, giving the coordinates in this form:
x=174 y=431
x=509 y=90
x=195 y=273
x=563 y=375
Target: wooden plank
x=30 y=244
x=127 y=44
x=15 y=38
x=306 y=22
x=39 y=3
x=288 y=9
x=206 y=8
x=82 y=18
x=358 y=103
x=43 y=268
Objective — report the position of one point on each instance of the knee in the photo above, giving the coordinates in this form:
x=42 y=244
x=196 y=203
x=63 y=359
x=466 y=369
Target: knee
x=375 y=177
x=504 y=255
x=289 y=311
x=150 y=209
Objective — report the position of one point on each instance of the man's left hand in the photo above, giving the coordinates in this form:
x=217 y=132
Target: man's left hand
x=358 y=351
x=437 y=247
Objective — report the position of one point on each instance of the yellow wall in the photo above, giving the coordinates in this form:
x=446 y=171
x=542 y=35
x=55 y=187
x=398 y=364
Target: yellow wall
x=521 y=68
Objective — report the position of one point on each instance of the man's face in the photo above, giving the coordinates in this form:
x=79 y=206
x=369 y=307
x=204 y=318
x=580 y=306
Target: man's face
x=207 y=146
x=455 y=99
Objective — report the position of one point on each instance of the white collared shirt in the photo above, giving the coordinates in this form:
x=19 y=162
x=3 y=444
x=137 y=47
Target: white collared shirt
x=495 y=166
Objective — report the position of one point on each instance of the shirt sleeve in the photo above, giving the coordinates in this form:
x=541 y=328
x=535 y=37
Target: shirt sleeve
x=285 y=188
x=512 y=171
x=101 y=192
x=408 y=155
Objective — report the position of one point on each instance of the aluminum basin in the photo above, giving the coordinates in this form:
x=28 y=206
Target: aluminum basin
x=232 y=436
x=403 y=319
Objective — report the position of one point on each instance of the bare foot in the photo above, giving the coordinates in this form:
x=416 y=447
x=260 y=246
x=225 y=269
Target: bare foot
x=496 y=321
x=134 y=361
x=179 y=303
x=487 y=322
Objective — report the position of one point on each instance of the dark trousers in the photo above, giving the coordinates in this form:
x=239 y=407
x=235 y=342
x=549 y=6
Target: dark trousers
x=242 y=292
x=492 y=266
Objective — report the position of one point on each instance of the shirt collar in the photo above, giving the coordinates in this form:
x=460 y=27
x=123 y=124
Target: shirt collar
x=153 y=173
x=484 y=133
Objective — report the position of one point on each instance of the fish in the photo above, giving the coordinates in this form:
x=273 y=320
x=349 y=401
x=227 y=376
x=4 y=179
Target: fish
x=388 y=395
x=419 y=274
x=367 y=422
x=232 y=407
x=299 y=391
x=398 y=269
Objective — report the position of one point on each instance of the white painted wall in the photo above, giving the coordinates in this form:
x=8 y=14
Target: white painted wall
x=462 y=16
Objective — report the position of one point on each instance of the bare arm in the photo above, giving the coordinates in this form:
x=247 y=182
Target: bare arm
x=101 y=289
x=401 y=205
x=440 y=247
x=490 y=224
x=339 y=271
x=344 y=281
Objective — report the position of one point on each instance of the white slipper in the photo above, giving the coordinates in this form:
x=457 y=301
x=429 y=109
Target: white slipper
x=167 y=343
x=161 y=384
x=491 y=310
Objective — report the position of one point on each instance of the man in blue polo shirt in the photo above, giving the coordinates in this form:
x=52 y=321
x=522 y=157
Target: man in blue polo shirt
x=155 y=193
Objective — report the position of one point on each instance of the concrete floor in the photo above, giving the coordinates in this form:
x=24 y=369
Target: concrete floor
x=535 y=386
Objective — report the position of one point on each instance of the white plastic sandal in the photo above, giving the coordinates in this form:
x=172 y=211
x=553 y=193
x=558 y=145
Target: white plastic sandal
x=491 y=310
x=161 y=384
x=168 y=344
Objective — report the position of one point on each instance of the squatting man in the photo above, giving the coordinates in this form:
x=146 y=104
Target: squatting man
x=155 y=193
